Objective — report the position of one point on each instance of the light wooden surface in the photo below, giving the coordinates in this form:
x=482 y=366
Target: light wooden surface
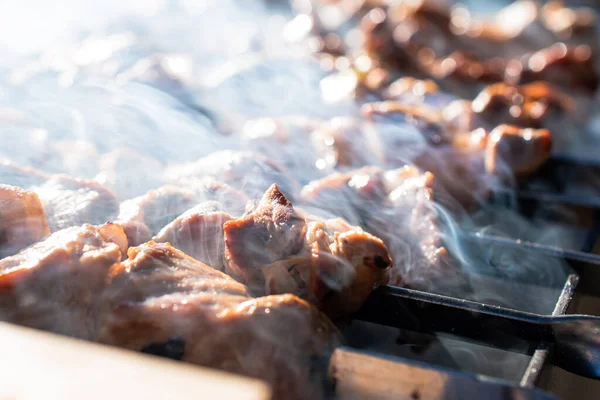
x=36 y=365
x=361 y=376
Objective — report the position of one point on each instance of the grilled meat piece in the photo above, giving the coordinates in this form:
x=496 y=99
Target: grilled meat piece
x=351 y=196
x=276 y=249
x=144 y=216
x=199 y=233
x=55 y=284
x=286 y=141
x=396 y=206
x=520 y=151
x=569 y=67
x=164 y=302
x=22 y=220
x=525 y=105
x=72 y=202
x=249 y=172
x=272 y=231
x=67 y=201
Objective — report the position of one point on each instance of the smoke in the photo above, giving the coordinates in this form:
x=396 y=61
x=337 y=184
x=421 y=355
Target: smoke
x=148 y=93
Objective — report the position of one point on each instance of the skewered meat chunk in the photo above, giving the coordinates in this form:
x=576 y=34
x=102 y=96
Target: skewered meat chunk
x=250 y=172
x=525 y=105
x=284 y=140
x=55 y=284
x=72 y=202
x=231 y=200
x=570 y=67
x=343 y=267
x=520 y=151
x=396 y=206
x=408 y=224
x=22 y=220
x=144 y=216
x=67 y=201
x=164 y=302
x=199 y=233
x=350 y=196
x=272 y=231
x=274 y=249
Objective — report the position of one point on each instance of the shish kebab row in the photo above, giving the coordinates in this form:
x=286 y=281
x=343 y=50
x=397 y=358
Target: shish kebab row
x=232 y=272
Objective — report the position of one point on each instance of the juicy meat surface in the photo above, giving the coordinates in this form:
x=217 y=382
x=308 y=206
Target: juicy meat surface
x=271 y=232
x=71 y=202
x=67 y=201
x=396 y=206
x=164 y=302
x=199 y=233
x=144 y=216
x=22 y=219
x=249 y=172
x=278 y=249
x=55 y=284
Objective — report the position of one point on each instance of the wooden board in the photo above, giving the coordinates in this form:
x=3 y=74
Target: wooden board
x=37 y=365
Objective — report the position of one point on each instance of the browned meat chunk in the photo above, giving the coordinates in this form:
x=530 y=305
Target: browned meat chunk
x=144 y=216
x=570 y=67
x=284 y=140
x=67 y=201
x=396 y=206
x=408 y=223
x=163 y=302
x=232 y=200
x=274 y=249
x=351 y=195
x=345 y=267
x=272 y=231
x=54 y=284
x=22 y=220
x=72 y=202
x=518 y=151
x=199 y=233
x=249 y=172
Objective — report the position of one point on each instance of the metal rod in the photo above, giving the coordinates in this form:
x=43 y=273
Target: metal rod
x=575 y=338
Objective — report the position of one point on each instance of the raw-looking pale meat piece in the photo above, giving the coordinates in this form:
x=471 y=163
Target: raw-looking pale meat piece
x=67 y=201
x=163 y=302
x=250 y=172
x=55 y=284
x=144 y=216
x=72 y=202
x=198 y=232
x=275 y=249
x=22 y=220
x=396 y=206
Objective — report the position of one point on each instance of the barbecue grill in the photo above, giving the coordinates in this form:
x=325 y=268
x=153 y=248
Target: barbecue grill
x=527 y=344
x=506 y=335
